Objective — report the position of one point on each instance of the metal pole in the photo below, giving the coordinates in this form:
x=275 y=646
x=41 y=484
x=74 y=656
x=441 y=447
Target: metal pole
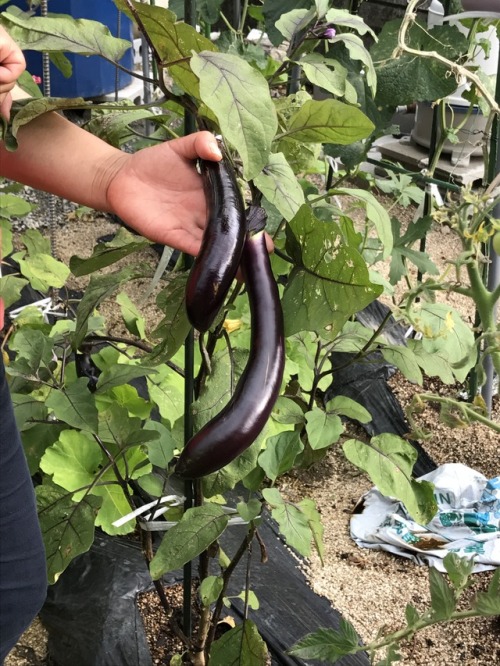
x=187 y=621
x=493 y=279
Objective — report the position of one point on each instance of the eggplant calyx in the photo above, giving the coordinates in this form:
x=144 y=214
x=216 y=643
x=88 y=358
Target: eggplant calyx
x=256 y=219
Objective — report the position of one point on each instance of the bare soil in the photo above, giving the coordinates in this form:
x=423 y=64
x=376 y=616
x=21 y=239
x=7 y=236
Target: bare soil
x=371 y=588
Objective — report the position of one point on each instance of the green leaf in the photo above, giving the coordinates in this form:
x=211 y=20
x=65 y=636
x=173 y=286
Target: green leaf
x=344 y=18
x=121 y=374
x=210 y=589
x=323 y=428
x=409 y=77
x=377 y=214
x=198 y=528
x=74 y=405
x=328 y=74
x=43 y=271
x=488 y=603
x=280 y=453
x=67 y=527
x=404 y=359
x=227 y=477
x=329 y=121
x=114 y=505
x=34 y=347
x=36 y=440
x=27 y=408
x=6 y=246
x=443 y=600
x=459 y=570
x=327 y=644
x=72 y=461
x=63 y=33
x=293 y=521
x=10 y=289
x=99 y=288
x=287 y=411
x=175 y=325
x=239 y=96
x=173 y=40
x=290 y=23
x=278 y=184
x=240 y=646
x=249 y=510
x=350 y=408
x=330 y=281
x=161 y=450
x=166 y=390
x=447 y=335
x=411 y=615
x=389 y=460
x=133 y=319
x=12 y=206
x=308 y=507
x=358 y=51
x=105 y=254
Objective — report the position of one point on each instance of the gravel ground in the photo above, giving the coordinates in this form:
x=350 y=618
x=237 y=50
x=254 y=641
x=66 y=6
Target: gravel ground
x=369 y=587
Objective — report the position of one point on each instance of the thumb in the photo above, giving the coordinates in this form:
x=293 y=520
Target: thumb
x=201 y=145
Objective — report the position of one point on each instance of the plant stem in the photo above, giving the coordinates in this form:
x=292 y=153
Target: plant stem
x=464 y=407
x=225 y=581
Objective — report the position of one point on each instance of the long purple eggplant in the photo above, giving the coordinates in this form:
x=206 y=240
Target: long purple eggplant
x=215 y=267
x=239 y=423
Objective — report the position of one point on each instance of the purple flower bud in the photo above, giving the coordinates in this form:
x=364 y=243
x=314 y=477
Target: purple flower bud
x=329 y=33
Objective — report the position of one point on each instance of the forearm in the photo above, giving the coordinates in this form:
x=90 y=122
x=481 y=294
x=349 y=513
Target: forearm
x=57 y=156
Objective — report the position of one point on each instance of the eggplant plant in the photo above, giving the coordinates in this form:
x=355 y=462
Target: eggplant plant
x=102 y=452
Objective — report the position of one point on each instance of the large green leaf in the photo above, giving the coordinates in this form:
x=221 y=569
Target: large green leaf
x=329 y=121
x=72 y=461
x=63 y=33
x=173 y=40
x=43 y=271
x=410 y=78
x=389 y=460
x=166 y=389
x=74 y=405
x=67 y=526
x=330 y=281
x=240 y=646
x=10 y=289
x=278 y=184
x=198 y=528
x=239 y=96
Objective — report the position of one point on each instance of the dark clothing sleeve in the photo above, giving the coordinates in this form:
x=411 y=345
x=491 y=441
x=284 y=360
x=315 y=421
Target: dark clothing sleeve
x=23 y=579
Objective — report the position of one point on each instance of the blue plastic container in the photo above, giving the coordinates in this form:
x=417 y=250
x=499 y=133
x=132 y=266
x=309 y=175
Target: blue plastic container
x=92 y=75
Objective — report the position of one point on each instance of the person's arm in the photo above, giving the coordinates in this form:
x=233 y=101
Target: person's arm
x=157 y=191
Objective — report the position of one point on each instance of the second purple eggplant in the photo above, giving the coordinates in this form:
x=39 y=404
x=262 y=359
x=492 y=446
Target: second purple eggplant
x=240 y=422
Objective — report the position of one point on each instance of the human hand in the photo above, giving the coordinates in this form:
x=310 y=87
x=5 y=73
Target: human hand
x=159 y=193
x=12 y=65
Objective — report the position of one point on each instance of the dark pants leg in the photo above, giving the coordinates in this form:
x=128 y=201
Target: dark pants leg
x=23 y=580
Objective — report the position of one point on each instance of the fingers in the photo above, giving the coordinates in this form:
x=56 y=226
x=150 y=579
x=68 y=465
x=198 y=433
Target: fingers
x=5 y=105
x=12 y=62
x=197 y=145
